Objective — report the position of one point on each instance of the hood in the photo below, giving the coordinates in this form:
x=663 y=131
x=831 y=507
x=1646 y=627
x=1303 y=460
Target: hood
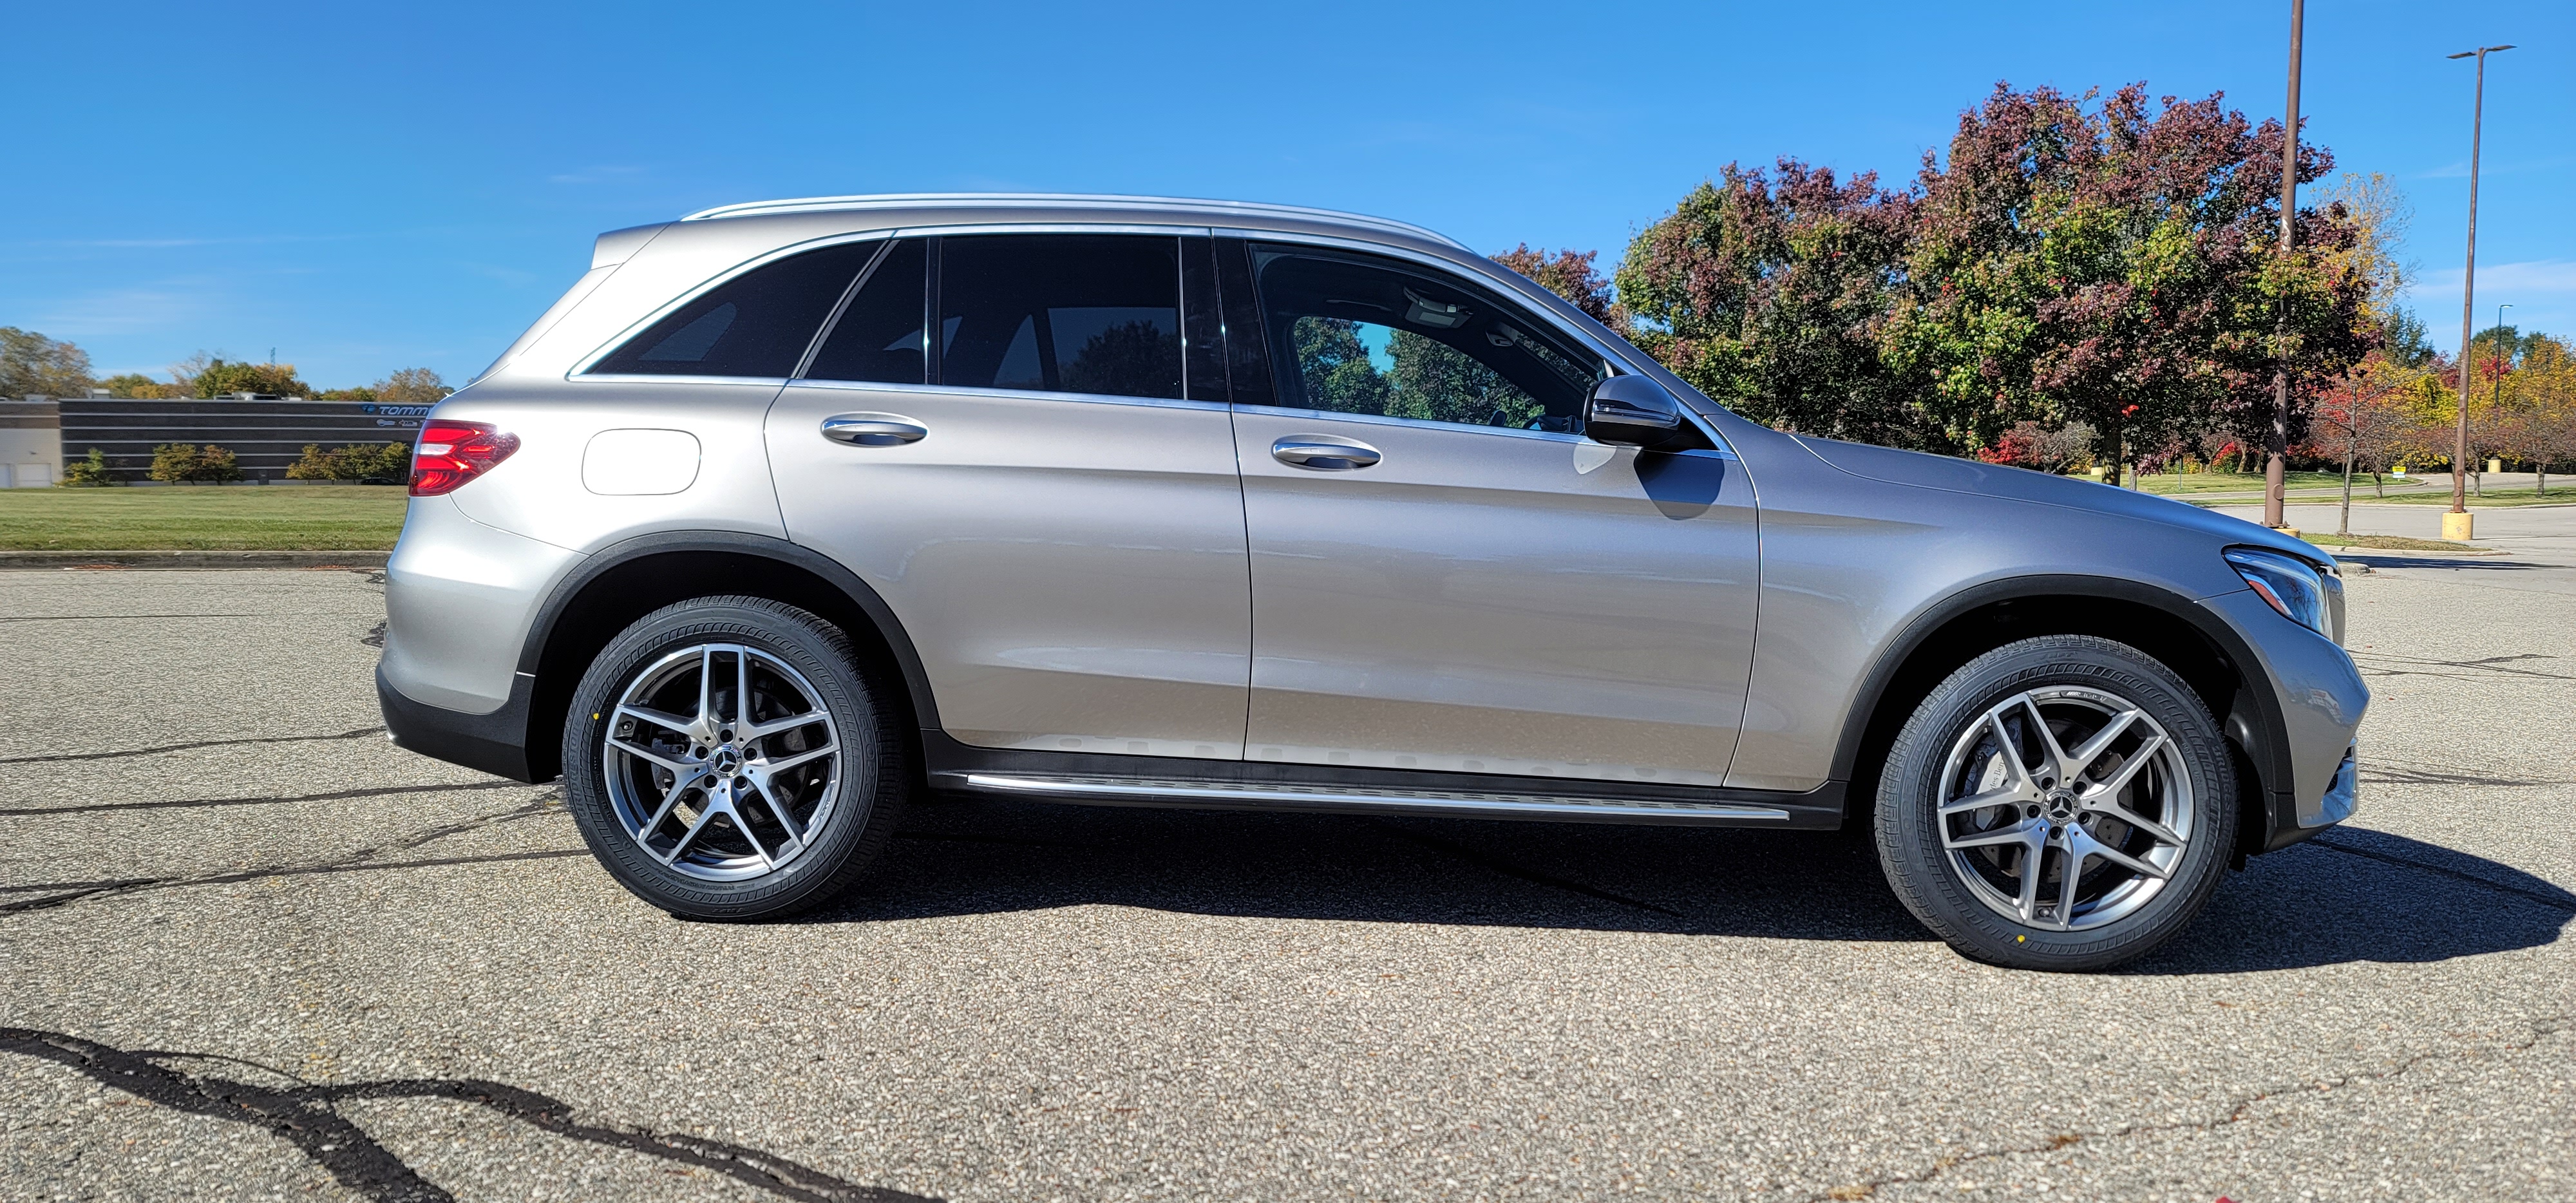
x=2021 y=484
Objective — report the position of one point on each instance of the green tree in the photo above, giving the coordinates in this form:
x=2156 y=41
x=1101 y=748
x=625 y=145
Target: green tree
x=1335 y=367
x=2118 y=265
x=131 y=384
x=1770 y=294
x=34 y=365
x=222 y=379
x=90 y=471
x=412 y=386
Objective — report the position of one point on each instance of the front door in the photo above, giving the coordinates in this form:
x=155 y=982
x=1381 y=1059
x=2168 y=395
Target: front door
x=1026 y=482
x=1446 y=575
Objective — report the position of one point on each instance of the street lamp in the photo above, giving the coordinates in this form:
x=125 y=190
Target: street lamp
x=2277 y=448
x=2457 y=524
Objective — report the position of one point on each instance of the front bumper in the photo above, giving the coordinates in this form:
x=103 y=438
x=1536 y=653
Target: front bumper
x=2307 y=753
x=494 y=743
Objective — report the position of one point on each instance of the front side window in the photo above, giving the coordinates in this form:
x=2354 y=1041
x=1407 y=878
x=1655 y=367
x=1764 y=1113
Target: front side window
x=1357 y=335
x=756 y=324
x=1073 y=313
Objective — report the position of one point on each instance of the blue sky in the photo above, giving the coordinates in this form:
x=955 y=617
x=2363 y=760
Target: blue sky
x=366 y=188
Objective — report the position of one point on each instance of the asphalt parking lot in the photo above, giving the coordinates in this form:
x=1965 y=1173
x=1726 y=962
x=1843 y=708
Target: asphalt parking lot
x=249 y=950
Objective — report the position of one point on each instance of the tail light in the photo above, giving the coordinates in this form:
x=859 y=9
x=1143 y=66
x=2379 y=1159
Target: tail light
x=451 y=453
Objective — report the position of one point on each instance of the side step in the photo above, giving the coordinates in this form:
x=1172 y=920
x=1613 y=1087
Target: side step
x=1346 y=799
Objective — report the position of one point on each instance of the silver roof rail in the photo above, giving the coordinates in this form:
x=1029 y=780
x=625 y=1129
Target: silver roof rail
x=920 y=200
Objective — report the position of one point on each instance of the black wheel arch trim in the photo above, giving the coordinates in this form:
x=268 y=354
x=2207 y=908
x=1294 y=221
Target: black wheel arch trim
x=617 y=555
x=2264 y=734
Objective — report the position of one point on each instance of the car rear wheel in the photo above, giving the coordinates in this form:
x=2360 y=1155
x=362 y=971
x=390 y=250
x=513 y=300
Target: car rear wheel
x=727 y=759
x=2062 y=803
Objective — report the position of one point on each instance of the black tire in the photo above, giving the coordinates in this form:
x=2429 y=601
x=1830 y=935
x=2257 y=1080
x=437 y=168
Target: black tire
x=864 y=800
x=1935 y=884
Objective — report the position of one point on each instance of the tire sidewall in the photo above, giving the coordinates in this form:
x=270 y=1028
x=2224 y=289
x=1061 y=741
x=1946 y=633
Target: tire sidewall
x=797 y=639
x=1909 y=829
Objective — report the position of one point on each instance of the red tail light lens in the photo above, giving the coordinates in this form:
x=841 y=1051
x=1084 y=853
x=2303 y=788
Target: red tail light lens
x=451 y=453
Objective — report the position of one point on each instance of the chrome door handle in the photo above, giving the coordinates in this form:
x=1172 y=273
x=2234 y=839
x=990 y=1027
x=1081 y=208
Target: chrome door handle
x=1322 y=454
x=873 y=430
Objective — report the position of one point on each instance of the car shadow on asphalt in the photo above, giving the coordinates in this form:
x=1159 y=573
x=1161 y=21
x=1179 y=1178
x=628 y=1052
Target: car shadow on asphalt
x=2353 y=896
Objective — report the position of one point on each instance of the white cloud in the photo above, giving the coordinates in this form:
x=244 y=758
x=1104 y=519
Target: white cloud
x=126 y=310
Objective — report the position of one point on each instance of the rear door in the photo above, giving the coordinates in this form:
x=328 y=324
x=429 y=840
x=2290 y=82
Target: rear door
x=999 y=434
x=1446 y=575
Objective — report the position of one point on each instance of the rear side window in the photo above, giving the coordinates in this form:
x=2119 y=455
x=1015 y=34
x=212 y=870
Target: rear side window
x=1074 y=313
x=756 y=324
x=879 y=335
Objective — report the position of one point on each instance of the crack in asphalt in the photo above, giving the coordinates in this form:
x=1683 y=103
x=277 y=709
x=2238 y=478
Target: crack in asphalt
x=334 y=796
x=2386 y=665
x=304 y=1116
x=363 y=859
x=2540 y=1029
x=50 y=758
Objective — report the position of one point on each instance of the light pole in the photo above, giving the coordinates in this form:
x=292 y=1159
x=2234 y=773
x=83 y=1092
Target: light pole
x=2457 y=524
x=2277 y=447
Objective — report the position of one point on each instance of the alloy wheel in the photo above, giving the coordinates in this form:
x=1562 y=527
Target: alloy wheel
x=2065 y=808
x=722 y=762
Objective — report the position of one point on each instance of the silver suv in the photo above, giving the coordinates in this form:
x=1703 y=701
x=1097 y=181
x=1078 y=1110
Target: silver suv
x=786 y=512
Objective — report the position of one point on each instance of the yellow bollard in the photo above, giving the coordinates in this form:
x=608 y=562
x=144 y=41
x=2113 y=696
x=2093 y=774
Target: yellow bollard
x=2459 y=528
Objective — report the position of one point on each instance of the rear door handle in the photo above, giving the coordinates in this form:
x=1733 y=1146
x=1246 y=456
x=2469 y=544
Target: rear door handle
x=873 y=430
x=1323 y=453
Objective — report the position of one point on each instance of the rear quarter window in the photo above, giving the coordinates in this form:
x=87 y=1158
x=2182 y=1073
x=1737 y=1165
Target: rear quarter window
x=757 y=324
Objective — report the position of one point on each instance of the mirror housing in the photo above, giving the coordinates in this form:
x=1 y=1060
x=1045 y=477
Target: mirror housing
x=1632 y=411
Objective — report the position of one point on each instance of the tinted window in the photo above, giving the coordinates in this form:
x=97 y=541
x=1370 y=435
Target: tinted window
x=879 y=336
x=1074 y=313
x=1355 y=335
x=757 y=324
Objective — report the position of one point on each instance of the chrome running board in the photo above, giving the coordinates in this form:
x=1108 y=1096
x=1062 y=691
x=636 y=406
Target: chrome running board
x=1138 y=791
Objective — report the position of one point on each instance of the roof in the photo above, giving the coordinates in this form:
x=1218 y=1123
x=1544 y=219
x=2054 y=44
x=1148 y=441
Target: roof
x=1216 y=211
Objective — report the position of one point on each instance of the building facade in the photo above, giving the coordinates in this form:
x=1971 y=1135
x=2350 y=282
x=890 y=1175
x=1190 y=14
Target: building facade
x=266 y=435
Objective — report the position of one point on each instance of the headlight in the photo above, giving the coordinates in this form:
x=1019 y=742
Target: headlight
x=2296 y=588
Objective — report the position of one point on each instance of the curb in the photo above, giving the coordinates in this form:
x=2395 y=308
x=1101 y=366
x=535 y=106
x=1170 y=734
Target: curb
x=73 y=560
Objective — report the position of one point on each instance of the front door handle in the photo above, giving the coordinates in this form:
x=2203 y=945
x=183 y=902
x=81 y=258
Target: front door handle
x=873 y=430
x=1323 y=453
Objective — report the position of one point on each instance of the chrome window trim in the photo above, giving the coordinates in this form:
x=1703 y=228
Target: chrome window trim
x=969 y=390
x=719 y=280
x=638 y=378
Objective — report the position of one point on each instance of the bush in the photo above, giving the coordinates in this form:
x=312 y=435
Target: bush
x=388 y=461
x=184 y=463
x=84 y=472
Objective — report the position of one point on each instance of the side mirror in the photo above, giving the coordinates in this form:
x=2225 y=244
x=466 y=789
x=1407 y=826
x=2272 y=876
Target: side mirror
x=1631 y=411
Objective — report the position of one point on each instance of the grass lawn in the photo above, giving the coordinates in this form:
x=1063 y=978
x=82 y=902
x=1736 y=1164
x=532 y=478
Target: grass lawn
x=202 y=518
x=2559 y=494
x=2386 y=543
x=2238 y=482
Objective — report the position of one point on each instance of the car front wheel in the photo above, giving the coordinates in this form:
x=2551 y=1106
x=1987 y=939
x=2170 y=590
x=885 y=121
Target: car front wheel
x=726 y=759
x=2063 y=802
